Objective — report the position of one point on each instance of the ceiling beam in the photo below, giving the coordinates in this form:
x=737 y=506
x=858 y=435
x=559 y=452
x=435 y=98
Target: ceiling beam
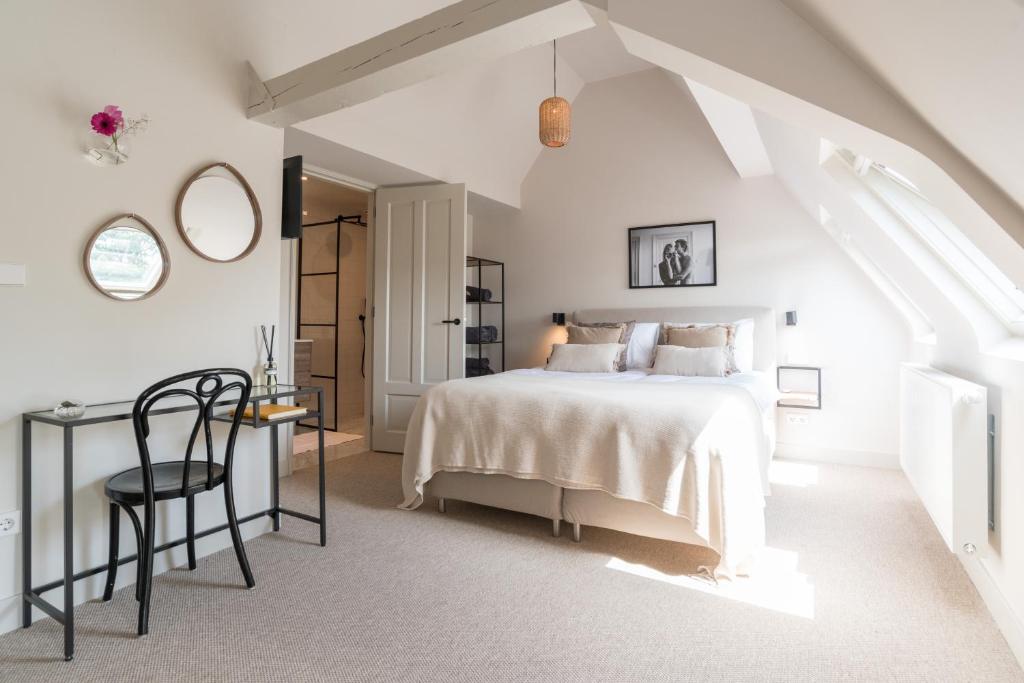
x=733 y=123
x=467 y=32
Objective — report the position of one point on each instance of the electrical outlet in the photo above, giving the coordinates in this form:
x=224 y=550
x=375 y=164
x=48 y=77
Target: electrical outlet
x=10 y=523
x=796 y=419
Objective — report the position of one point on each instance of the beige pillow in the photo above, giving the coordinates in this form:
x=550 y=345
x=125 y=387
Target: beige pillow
x=702 y=335
x=696 y=336
x=582 y=334
x=584 y=357
x=708 y=361
x=603 y=333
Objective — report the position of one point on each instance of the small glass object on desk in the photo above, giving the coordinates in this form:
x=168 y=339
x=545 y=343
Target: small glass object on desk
x=70 y=409
x=270 y=373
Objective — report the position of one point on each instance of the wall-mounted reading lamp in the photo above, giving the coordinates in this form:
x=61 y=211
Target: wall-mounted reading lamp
x=558 y=318
x=791 y=318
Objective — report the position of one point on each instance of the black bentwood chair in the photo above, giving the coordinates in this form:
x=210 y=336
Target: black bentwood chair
x=144 y=486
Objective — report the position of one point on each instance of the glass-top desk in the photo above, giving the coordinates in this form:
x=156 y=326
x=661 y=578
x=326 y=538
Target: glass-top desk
x=122 y=411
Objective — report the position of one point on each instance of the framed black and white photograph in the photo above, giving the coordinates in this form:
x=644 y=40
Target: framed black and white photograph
x=673 y=255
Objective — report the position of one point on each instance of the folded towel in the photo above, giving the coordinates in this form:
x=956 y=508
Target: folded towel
x=477 y=294
x=482 y=334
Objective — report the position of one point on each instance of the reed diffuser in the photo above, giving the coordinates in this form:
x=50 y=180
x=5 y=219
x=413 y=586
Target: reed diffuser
x=270 y=367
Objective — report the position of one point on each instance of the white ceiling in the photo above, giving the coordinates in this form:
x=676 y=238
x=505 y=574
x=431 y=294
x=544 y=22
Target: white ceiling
x=734 y=126
x=960 y=65
x=478 y=125
x=597 y=53
x=957 y=64
x=281 y=36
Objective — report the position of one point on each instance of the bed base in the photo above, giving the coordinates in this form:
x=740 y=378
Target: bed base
x=577 y=507
x=556 y=524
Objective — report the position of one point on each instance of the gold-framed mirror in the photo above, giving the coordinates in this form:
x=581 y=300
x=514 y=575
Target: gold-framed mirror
x=218 y=215
x=125 y=259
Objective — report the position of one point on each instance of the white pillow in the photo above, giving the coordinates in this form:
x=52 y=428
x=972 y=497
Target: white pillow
x=743 y=345
x=642 y=343
x=584 y=357
x=709 y=361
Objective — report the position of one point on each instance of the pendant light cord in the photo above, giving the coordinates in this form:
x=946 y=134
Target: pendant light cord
x=554 y=66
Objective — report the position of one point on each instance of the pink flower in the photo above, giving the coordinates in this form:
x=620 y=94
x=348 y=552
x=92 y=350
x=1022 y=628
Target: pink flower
x=108 y=121
x=115 y=113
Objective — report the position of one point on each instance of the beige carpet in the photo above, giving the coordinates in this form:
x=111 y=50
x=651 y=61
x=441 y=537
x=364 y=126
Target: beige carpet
x=858 y=587
x=310 y=441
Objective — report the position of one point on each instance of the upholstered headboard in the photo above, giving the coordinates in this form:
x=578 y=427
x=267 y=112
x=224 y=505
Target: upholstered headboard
x=764 y=322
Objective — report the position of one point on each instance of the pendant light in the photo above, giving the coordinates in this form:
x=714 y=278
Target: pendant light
x=555 y=112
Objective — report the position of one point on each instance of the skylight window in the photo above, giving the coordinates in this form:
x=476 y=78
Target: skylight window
x=906 y=201
x=897 y=176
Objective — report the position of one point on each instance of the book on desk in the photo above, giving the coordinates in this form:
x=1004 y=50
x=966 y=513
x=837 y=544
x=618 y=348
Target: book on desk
x=272 y=412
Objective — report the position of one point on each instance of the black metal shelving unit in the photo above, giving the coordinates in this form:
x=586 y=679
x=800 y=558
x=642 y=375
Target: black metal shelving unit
x=477 y=276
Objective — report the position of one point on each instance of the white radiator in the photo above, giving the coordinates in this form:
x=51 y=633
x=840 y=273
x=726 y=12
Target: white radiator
x=944 y=453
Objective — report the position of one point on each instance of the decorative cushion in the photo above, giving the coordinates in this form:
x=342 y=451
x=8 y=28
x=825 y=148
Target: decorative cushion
x=603 y=333
x=743 y=345
x=701 y=335
x=642 y=345
x=708 y=361
x=696 y=336
x=585 y=357
x=591 y=334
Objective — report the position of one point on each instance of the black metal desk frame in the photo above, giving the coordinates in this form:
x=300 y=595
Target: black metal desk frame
x=32 y=595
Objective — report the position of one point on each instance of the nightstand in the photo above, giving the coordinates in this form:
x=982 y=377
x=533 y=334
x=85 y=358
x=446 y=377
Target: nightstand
x=799 y=386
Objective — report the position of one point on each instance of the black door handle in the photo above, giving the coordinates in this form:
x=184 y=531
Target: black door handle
x=452 y=322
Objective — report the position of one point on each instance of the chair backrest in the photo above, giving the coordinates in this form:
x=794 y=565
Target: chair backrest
x=210 y=386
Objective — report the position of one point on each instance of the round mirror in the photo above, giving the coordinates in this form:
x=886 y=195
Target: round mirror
x=218 y=215
x=126 y=259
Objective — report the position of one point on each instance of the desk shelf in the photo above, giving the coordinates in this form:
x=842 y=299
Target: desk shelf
x=260 y=424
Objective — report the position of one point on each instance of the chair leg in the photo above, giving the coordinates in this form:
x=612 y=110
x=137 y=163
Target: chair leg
x=138 y=549
x=441 y=507
x=556 y=527
x=576 y=532
x=236 y=537
x=115 y=536
x=190 y=530
x=147 y=567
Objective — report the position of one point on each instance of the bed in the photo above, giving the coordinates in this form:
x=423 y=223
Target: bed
x=682 y=459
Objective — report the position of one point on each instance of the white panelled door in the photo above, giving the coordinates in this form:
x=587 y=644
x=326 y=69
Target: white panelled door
x=419 y=298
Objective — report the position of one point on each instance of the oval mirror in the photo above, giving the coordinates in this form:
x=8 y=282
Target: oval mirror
x=218 y=215
x=126 y=259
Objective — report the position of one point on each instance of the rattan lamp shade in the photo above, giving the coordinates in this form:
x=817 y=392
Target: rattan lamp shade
x=555 y=122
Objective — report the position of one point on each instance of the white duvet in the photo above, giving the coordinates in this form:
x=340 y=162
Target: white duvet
x=692 y=447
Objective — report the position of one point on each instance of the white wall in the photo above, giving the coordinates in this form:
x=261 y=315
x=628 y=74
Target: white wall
x=59 y=338
x=642 y=154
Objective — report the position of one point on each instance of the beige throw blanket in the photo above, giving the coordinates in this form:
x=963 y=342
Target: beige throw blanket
x=691 y=451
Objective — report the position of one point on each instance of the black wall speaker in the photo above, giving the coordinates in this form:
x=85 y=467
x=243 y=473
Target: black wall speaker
x=291 y=199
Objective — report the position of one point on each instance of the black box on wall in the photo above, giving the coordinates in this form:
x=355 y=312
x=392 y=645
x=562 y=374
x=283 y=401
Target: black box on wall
x=291 y=199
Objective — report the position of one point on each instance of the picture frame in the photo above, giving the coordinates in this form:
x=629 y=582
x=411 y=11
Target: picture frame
x=673 y=255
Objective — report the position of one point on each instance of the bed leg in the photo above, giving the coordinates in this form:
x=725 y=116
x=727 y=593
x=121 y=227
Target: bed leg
x=440 y=505
x=556 y=527
x=576 y=532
